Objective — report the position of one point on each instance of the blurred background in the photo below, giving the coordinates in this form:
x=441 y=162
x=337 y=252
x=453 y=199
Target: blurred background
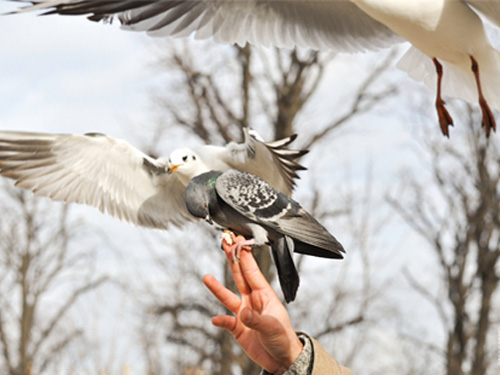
x=419 y=214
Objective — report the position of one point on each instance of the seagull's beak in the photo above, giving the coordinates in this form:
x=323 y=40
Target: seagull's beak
x=172 y=168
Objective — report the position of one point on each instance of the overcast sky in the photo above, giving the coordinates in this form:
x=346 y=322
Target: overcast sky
x=65 y=74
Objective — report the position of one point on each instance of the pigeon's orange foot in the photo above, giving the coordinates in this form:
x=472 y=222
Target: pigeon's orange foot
x=445 y=119
x=241 y=245
x=488 y=118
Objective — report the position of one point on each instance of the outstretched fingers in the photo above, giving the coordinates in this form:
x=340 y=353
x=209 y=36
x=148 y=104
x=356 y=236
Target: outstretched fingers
x=230 y=300
x=227 y=322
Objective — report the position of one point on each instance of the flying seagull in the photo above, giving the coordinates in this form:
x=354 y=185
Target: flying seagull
x=442 y=32
x=246 y=205
x=113 y=176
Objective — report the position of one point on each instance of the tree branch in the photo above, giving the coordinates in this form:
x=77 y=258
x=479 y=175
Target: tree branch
x=64 y=309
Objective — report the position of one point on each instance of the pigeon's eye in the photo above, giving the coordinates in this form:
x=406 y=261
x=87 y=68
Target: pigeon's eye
x=184 y=158
x=194 y=157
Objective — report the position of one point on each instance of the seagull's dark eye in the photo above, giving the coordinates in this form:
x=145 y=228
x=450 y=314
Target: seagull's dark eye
x=169 y=161
x=184 y=158
x=194 y=157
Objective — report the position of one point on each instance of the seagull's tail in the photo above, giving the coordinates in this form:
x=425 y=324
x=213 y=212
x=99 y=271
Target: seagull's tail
x=288 y=276
x=458 y=80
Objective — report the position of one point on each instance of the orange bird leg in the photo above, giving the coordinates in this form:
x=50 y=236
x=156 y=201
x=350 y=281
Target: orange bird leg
x=236 y=244
x=241 y=245
x=488 y=119
x=445 y=120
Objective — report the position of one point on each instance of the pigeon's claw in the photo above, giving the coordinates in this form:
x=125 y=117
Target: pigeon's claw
x=241 y=245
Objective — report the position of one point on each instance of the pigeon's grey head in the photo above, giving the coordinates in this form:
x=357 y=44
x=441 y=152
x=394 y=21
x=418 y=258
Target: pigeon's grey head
x=186 y=163
x=201 y=195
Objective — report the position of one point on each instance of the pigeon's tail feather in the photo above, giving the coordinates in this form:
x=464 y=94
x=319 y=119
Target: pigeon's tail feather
x=458 y=80
x=288 y=276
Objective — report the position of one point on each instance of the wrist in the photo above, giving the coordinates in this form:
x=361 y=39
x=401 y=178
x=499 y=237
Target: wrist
x=296 y=347
x=301 y=365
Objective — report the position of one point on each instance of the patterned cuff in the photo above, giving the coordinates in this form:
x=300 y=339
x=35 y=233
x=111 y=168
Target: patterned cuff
x=303 y=363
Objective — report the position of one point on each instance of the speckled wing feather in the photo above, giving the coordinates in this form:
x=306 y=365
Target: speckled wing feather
x=323 y=24
x=96 y=170
x=258 y=201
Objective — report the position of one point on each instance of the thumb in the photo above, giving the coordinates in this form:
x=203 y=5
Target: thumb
x=263 y=324
x=249 y=318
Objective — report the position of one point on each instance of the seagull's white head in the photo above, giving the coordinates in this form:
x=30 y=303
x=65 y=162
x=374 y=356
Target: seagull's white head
x=186 y=163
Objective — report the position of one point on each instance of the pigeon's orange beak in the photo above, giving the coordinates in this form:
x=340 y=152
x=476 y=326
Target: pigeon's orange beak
x=172 y=168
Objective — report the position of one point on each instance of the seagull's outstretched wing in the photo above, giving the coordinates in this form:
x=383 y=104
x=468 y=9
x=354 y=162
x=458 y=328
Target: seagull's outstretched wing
x=319 y=24
x=490 y=8
x=96 y=170
x=273 y=162
x=258 y=201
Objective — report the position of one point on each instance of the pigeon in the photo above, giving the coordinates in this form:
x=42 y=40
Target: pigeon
x=442 y=32
x=113 y=176
x=246 y=205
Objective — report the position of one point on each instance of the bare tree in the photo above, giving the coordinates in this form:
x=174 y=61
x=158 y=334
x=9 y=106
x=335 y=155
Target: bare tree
x=456 y=210
x=41 y=278
x=267 y=90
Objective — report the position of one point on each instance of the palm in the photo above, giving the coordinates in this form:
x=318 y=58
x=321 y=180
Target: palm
x=263 y=348
x=271 y=342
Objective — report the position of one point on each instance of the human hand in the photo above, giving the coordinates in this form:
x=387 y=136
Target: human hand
x=261 y=324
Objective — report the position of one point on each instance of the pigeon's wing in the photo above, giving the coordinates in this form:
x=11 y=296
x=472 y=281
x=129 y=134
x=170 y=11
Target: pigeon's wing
x=332 y=24
x=96 y=170
x=258 y=201
x=489 y=8
x=273 y=162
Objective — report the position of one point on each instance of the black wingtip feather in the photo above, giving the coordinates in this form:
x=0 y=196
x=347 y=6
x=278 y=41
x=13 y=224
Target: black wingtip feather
x=288 y=158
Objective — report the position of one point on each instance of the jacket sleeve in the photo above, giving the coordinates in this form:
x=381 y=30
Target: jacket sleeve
x=314 y=360
x=324 y=363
